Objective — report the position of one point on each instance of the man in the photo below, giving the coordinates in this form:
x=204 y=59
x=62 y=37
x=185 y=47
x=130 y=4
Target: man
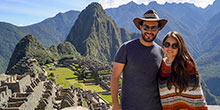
x=139 y=60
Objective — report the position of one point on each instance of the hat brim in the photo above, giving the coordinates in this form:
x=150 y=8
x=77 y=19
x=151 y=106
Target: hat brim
x=138 y=20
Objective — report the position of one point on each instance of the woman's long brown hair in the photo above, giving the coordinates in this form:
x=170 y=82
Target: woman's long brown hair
x=179 y=76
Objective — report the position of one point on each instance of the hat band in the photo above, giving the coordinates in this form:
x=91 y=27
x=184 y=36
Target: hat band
x=151 y=15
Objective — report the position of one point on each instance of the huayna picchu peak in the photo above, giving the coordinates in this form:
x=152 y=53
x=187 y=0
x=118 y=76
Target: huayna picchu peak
x=96 y=34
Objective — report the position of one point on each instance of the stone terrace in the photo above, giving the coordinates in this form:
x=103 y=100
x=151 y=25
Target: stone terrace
x=26 y=92
x=33 y=93
x=73 y=97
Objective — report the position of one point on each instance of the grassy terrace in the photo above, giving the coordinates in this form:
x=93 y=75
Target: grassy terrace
x=65 y=77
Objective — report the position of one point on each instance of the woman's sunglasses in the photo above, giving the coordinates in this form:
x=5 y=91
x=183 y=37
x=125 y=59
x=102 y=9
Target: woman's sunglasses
x=147 y=28
x=167 y=45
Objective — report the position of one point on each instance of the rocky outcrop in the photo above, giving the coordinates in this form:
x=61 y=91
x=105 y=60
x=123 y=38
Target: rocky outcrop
x=29 y=46
x=26 y=65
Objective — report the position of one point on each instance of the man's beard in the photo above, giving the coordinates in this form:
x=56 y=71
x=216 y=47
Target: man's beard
x=148 y=39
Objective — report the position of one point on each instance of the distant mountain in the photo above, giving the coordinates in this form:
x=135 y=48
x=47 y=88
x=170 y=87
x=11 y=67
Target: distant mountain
x=53 y=30
x=124 y=15
x=212 y=10
x=50 y=31
x=30 y=46
x=210 y=98
x=178 y=19
x=187 y=13
x=209 y=62
x=9 y=36
x=192 y=22
x=210 y=33
x=96 y=34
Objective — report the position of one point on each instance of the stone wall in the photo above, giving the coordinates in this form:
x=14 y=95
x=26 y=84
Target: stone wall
x=34 y=97
x=48 y=97
x=27 y=93
x=17 y=83
x=5 y=93
x=73 y=97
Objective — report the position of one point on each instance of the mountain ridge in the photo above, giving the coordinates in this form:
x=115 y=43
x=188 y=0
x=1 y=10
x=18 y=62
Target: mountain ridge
x=11 y=34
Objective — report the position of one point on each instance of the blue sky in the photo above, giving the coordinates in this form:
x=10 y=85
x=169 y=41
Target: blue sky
x=27 y=12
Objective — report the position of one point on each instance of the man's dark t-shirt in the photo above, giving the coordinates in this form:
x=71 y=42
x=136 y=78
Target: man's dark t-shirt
x=139 y=85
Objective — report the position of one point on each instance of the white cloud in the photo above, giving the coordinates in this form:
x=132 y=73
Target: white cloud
x=116 y=3
x=20 y=25
x=203 y=3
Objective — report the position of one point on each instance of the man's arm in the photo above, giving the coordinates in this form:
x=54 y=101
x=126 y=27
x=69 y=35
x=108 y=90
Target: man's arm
x=116 y=73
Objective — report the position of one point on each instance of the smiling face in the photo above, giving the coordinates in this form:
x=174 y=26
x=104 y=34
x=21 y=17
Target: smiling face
x=149 y=30
x=170 y=47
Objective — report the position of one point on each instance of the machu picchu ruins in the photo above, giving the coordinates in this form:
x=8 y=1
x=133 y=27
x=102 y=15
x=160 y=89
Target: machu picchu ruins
x=32 y=90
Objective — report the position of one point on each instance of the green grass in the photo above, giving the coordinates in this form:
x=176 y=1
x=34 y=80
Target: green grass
x=65 y=77
x=75 y=64
x=103 y=72
x=73 y=67
x=120 y=82
x=49 y=66
x=108 y=98
x=85 y=104
x=61 y=74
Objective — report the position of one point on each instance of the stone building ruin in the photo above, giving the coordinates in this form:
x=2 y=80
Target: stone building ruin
x=22 y=92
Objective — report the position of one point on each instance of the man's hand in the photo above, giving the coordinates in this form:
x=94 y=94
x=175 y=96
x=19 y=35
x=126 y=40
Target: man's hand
x=116 y=107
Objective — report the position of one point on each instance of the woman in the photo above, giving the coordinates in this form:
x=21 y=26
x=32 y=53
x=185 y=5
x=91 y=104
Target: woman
x=179 y=78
